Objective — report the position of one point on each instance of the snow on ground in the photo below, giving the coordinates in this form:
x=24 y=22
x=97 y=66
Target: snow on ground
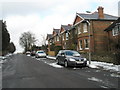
x=55 y=65
x=95 y=79
x=105 y=66
x=51 y=57
x=115 y=75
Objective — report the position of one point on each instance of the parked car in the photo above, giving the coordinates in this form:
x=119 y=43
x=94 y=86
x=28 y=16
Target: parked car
x=2 y=59
x=40 y=53
x=33 y=53
x=28 y=53
x=70 y=58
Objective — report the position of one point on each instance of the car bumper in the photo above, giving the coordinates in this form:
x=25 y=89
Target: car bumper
x=77 y=63
x=41 y=56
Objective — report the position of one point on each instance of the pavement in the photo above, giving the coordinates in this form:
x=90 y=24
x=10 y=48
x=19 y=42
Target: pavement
x=22 y=71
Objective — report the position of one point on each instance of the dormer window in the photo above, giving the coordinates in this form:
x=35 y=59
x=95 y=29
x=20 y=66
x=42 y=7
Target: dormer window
x=85 y=28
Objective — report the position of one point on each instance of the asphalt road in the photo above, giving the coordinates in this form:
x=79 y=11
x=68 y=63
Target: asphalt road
x=22 y=71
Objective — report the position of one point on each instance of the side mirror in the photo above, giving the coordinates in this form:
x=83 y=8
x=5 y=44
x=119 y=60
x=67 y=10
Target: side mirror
x=63 y=54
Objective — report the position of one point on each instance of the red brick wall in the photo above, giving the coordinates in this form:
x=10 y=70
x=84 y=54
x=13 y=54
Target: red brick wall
x=100 y=36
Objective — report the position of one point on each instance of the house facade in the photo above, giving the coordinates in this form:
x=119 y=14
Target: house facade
x=113 y=36
x=64 y=35
x=89 y=29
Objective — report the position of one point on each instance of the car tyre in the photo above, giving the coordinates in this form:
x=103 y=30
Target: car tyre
x=66 y=64
x=57 y=61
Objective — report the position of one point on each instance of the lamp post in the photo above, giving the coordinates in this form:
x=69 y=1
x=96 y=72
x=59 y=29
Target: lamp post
x=89 y=41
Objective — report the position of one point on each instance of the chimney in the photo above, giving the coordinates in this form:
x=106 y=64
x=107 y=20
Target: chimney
x=100 y=12
x=69 y=24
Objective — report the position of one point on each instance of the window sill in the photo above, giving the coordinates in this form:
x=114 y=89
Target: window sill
x=87 y=48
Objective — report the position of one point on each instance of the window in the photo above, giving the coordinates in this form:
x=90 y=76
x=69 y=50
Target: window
x=57 y=38
x=86 y=44
x=115 y=31
x=63 y=36
x=66 y=36
x=79 y=29
x=80 y=45
x=85 y=27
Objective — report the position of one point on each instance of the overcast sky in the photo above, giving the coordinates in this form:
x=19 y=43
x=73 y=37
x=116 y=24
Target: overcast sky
x=41 y=16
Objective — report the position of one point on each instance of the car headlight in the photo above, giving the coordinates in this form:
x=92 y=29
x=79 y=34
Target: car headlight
x=85 y=59
x=71 y=59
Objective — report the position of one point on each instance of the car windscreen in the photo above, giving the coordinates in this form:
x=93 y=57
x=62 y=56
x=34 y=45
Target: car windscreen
x=72 y=53
x=41 y=52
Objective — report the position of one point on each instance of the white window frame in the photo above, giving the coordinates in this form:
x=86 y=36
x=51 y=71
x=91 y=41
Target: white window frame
x=57 y=38
x=67 y=36
x=80 y=45
x=86 y=43
x=79 y=32
x=85 y=27
x=63 y=38
x=115 y=31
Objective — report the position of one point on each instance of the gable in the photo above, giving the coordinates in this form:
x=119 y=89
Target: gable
x=62 y=30
x=77 y=19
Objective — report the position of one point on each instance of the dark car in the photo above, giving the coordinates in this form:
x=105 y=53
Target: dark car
x=70 y=58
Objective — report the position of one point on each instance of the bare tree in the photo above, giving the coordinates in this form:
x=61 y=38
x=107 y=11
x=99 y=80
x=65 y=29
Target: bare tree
x=27 y=40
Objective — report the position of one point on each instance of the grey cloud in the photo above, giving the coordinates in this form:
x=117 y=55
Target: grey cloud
x=23 y=8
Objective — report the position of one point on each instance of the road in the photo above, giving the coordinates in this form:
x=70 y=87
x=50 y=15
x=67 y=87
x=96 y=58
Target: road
x=22 y=71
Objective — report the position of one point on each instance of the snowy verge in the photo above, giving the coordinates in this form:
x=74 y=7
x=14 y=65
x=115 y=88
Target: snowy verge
x=50 y=57
x=105 y=66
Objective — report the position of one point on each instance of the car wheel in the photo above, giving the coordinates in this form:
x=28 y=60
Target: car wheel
x=66 y=64
x=57 y=61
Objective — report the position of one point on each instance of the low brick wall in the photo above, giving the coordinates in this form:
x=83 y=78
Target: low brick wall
x=103 y=57
x=51 y=53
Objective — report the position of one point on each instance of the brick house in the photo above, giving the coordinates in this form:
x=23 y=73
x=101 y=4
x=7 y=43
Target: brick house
x=49 y=39
x=89 y=29
x=56 y=37
x=64 y=35
x=113 y=32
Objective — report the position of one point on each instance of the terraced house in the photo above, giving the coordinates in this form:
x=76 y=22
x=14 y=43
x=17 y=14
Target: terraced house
x=87 y=32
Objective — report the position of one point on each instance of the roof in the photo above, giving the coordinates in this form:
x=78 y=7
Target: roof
x=95 y=16
x=49 y=36
x=56 y=30
x=112 y=25
x=66 y=27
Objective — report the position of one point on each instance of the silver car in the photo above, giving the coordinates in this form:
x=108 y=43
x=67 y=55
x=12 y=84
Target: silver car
x=40 y=53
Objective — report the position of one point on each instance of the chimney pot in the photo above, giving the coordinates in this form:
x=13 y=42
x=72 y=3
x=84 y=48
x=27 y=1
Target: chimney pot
x=100 y=12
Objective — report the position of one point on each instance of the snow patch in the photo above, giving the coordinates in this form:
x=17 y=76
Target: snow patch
x=92 y=66
x=105 y=66
x=55 y=65
x=104 y=87
x=51 y=57
x=95 y=79
x=115 y=75
x=28 y=55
